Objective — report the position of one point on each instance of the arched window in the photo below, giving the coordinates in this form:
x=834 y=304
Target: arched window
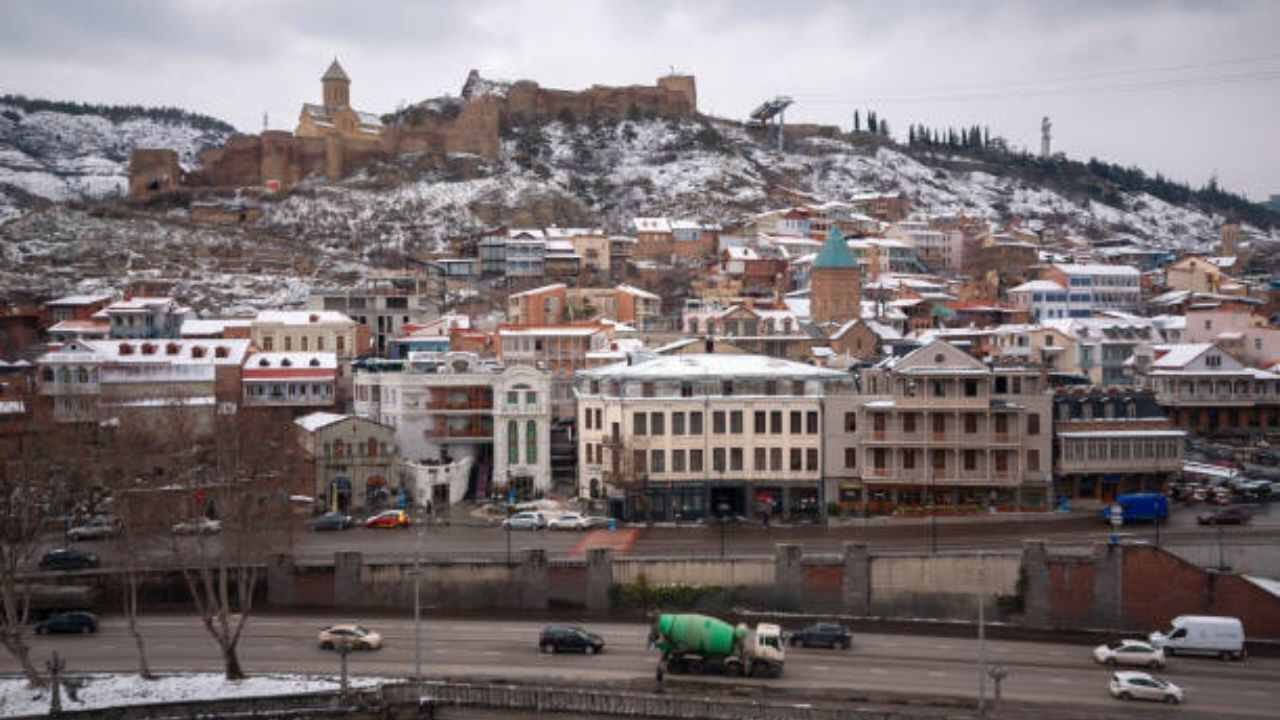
x=286 y=362
x=513 y=442
x=531 y=442
x=315 y=362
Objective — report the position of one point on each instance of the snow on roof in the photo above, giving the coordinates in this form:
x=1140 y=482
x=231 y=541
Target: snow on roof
x=79 y=300
x=300 y=360
x=1267 y=584
x=532 y=233
x=540 y=330
x=12 y=407
x=741 y=253
x=1125 y=433
x=1179 y=355
x=633 y=290
x=538 y=290
x=173 y=352
x=651 y=224
x=195 y=401
x=560 y=246
x=139 y=303
x=300 y=317
x=1038 y=286
x=1095 y=269
x=318 y=420
x=728 y=366
x=81 y=327
x=211 y=327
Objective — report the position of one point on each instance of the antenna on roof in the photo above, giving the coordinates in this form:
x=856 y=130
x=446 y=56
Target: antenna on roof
x=264 y=121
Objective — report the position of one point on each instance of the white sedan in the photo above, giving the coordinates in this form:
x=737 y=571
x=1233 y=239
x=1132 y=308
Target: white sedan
x=199 y=526
x=1129 y=652
x=576 y=521
x=356 y=637
x=1141 y=686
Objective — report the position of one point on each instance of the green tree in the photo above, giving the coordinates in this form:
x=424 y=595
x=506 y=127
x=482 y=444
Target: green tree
x=857 y=122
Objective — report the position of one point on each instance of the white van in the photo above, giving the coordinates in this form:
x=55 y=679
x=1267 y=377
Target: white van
x=1202 y=635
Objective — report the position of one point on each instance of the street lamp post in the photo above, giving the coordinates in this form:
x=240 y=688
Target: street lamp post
x=722 y=509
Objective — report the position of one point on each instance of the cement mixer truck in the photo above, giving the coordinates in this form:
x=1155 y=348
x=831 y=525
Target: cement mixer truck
x=699 y=644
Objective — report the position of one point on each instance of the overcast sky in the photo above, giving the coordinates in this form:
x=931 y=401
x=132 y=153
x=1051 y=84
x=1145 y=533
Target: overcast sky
x=1188 y=89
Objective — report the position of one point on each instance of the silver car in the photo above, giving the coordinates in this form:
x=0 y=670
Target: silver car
x=1141 y=686
x=525 y=521
x=100 y=527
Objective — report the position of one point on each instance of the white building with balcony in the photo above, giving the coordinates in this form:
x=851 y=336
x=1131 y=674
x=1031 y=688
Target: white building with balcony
x=445 y=408
x=307 y=381
x=1204 y=389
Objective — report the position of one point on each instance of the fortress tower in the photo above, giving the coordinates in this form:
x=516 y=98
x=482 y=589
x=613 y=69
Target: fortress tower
x=835 y=284
x=336 y=87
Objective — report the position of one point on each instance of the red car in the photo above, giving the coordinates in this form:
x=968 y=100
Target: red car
x=388 y=519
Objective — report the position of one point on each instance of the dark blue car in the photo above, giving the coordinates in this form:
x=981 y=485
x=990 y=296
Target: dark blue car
x=68 y=622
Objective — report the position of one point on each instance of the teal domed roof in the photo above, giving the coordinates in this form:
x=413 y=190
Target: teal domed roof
x=835 y=253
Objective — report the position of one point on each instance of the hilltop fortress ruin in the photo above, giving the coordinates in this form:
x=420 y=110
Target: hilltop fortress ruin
x=333 y=139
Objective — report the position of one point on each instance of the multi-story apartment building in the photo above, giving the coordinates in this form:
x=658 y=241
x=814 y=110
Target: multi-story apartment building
x=1204 y=389
x=383 y=304
x=492 y=247
x=97 y=380
x=938 y=428
x=458 y=408
x=939 y=250
x=75 y=307
x=146 y=317
x=559 y=349
x=1094 y=288
x=1108 y=443
x=654 y=239
x=1103 y=347
x=526 y=255
x=684 y=437
x=1047 y=300
x=302 y=381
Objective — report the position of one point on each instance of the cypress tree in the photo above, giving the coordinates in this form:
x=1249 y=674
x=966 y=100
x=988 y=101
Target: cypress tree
x=857 y=122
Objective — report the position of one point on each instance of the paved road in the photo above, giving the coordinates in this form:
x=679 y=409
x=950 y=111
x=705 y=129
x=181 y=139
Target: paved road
x=920 y=665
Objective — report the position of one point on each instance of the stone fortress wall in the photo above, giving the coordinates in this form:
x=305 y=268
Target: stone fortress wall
x=278 y=160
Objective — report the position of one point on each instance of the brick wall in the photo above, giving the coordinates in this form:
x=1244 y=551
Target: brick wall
x=1160 y=586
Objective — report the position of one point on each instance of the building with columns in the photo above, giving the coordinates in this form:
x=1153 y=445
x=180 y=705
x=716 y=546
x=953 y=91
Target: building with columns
x=937 y=430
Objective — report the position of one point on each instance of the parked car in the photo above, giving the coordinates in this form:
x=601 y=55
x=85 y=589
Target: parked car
x=525 y=521
x=1225 y=516
x=569 y=638
x=576 y=521
x=68 y=622
x=388 y=519
x=1130 y=685
x=823 y=635
x=331 y=521
x=1202 y=634
x=67 y=559
x=99 y=527
x=1129 y=652
x=198 y=526
x=357 y=636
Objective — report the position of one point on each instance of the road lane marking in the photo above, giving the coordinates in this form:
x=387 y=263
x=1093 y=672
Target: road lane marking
x=1059 y=681
x=822 y=668
x=937 y=674
x=944 y=647
x=491 y=653
x=879 y=671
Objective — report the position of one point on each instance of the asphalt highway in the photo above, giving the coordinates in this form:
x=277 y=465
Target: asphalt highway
x=1058 y=674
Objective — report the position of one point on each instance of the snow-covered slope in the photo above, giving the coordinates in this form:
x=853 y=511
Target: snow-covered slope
x=61 y=156
x=716 y=172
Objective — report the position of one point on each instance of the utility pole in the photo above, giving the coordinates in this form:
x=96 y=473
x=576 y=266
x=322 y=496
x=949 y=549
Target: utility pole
x=417 y=598
x=982 y=635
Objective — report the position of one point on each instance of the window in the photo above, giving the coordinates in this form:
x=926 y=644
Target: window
x=726 y=387
x=1213 y=361
x=686 y=389
x=341 y=344
x=1002 y=462
x=268 y=344
x=851 y=422
x=811 y=422
x=811 y=459
x=1033 y=423
x=590 y=454
x=877 y=458
x=1002 y=385
x=657 y=424
x=775 y=459
x=513 y=442
x=677 y=423
x=717 y=459
x=677 y=461
x=695 y=461
x=695 y=423
x=513 y=397
x=970 y=460
x=797 y=387
x=1002 y=424
x=939 y=389
x=288 y=343
x=530 y=398
x=795 y=422
x=775 y=422
x=850 y=457
x=908 y=423
x=646 y=390
x=760 y=423
x=531 y=443
x=970 y=423
x=638 y=458
x=939 y=423
x=939 y=460
x=373 y=448
x=639 y=424
x=878 y=422
x=770 y=387
x=908 y=459
x=796 y=459
x=657 y=461
x=717 y=422
x=1033 y=459
x=735 y=459
x=971 y=388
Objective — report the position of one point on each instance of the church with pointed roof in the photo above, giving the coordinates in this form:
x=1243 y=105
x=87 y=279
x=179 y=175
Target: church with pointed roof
x=835 y=283
x=335 y=116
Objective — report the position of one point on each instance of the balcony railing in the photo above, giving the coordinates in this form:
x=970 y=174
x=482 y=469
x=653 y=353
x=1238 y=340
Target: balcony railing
x=56 y=388
x=470 y=430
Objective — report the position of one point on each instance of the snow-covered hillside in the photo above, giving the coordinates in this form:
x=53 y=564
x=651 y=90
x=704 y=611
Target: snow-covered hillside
x=716 y=172
x=62 y=156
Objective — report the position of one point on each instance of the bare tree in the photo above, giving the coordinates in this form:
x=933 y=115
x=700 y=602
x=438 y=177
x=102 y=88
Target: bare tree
x=244 y=480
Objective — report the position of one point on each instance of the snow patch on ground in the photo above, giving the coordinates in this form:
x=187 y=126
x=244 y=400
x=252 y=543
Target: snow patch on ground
x=103 y=691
